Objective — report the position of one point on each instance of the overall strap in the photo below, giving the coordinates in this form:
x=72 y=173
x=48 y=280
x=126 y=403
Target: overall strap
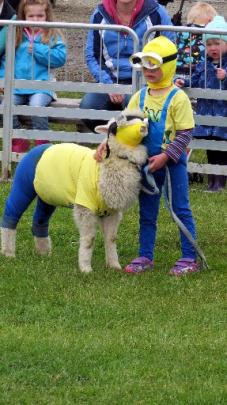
x=167 y=101
x=169 y=98
x=142 y=97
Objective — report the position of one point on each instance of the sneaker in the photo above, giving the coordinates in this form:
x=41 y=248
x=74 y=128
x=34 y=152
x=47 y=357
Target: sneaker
x=139 y=265
x=20 y=145
x=184 y=266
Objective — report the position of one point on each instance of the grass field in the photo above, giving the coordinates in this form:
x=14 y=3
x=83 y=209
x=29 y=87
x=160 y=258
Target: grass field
x=109 y=337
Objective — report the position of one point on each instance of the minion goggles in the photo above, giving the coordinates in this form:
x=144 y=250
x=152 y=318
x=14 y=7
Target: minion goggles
x=140 y=60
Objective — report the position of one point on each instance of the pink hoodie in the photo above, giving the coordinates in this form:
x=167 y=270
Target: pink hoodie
x=110 y=7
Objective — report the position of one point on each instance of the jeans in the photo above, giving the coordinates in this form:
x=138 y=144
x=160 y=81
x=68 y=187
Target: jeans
x=149 y=208
x=99 y=101
x=33 y=100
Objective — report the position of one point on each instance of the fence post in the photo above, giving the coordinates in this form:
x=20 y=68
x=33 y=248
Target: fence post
x=7 y=103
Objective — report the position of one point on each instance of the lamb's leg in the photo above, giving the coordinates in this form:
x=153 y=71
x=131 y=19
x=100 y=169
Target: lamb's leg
x=8 y=242
x=43 y=245
x=110 y=227
x=87 y=225
x=40 y=227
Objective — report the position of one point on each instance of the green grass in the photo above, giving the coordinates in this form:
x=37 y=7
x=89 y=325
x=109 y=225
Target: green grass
x=109 y=337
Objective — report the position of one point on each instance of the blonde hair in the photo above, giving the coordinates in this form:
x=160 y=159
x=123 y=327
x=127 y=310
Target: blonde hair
x=48 y=32
x=200 y=12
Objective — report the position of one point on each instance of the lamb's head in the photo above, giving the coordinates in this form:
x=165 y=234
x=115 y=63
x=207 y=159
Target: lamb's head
x=125 y=134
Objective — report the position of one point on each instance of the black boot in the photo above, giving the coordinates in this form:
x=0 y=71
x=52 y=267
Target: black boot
x=210 y=182
x=218 y=183
x=222 y=181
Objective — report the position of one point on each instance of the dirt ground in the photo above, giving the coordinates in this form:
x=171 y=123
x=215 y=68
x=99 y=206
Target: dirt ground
x=79 y=11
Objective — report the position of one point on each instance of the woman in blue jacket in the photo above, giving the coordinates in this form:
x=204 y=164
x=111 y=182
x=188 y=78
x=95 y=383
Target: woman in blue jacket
x=140 y=15
x=37 y=51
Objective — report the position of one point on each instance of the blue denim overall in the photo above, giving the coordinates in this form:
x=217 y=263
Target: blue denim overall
x=149 y=204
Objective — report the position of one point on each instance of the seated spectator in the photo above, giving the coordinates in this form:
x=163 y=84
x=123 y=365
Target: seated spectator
x=190 y=46
x=139 y=15
x=6 y=13
x=37 y=51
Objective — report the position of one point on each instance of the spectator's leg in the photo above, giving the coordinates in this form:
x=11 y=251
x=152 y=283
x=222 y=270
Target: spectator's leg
x=40 y=100
x=19 y=145
x=98 y=101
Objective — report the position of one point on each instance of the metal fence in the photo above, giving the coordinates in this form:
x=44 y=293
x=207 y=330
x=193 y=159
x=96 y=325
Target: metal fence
x=64 y=83
x=84 y=84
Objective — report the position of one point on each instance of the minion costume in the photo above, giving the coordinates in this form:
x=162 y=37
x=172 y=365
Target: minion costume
x=171 y=121
x=60 y=175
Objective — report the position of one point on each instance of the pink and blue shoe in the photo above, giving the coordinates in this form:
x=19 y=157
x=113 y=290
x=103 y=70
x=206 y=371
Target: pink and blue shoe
x=184 y=266
x=139 y=265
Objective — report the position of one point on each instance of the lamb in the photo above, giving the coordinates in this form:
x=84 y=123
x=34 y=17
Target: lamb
x=68 y=175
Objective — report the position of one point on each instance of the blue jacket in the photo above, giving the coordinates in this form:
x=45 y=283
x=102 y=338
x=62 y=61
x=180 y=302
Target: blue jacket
x=209 y=106
x=151 y=14
x=36 y=65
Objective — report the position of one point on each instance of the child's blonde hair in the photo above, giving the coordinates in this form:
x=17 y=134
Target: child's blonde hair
x=201 y=12
x=48 y=32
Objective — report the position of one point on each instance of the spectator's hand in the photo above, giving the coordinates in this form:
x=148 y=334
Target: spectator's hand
x=221 y=73
x=30 y=47
x=101 y=149
x=116 y=98
x=179 y=82
x=157 y=162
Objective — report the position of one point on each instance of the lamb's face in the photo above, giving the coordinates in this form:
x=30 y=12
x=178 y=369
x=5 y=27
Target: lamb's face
x=129 y=128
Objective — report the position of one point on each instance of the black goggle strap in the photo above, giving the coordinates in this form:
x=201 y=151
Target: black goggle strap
x=166 y=59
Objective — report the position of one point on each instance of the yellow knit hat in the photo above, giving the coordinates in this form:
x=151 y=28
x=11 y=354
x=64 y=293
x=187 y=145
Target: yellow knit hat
x=160 y=52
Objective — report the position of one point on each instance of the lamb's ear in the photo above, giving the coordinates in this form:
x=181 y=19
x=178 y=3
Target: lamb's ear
x=102 y=129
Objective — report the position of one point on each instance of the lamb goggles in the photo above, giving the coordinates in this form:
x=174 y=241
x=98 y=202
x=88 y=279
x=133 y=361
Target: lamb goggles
x=150 y=60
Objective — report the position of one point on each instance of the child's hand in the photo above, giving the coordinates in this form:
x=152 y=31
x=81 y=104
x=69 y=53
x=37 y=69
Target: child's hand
x=157 y=162
x=179 y=82
x=30 y=47
x=98 y=155
x=221 y=73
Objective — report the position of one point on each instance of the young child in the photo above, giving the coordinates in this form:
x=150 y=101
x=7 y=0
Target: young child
x=190 y=46
x=37 y=51
x=212 y=74
x=170 y=125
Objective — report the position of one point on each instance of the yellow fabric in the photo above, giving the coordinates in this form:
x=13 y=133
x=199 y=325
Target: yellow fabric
x=67 y=174
x=179 y=113
x=163 y=47
x=130 y=135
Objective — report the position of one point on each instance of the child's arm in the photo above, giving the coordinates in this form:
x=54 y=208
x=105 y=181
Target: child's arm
x=174 y=150
x=179 y=144
x=50 y=55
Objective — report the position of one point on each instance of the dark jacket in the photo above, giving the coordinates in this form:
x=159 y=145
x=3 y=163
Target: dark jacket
x=210 y=106
x=7 y=13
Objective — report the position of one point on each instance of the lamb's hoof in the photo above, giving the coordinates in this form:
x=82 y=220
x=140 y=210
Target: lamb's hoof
x=86 y=269
x=114 y=265
x=7 y=253
x=43 y=245
x=8 y=242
